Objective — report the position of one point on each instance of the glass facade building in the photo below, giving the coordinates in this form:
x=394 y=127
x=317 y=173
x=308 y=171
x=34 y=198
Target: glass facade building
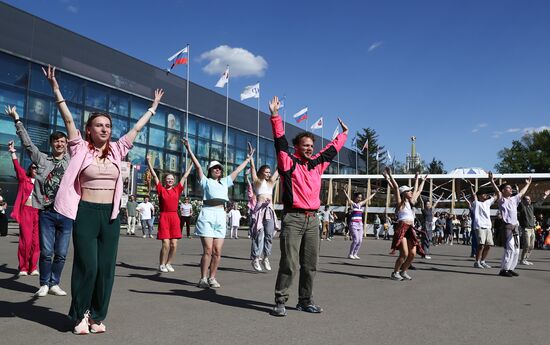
x=109 y=81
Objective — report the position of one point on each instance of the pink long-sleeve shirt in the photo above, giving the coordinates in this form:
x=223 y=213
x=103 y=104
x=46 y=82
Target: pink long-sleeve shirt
x=69 y=193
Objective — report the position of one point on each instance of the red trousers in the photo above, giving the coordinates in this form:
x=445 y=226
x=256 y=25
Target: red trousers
x=29 y=243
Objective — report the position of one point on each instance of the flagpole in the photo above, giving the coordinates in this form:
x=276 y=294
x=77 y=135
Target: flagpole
x=187 y=111
x=377 y=161
x=322 y=135
x=356 y=171
x=258 y=131
x=226 y=119
x=284 y=113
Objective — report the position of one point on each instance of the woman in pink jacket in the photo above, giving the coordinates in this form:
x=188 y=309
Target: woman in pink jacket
x=26 y=215
x=90 y=193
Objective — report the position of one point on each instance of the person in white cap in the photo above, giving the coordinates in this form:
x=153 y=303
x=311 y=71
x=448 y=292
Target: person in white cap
x=211 y=224
x=404 y=236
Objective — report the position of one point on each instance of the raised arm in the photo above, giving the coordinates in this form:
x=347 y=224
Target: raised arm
x=243 y=165
x=72 y=131
x=466 y=199
x=186 y=175
x=152 y=170
x=252 y=166
x=418 y=189
x=193 y=158
x=527 y=184
x=392 y=183
x=437 y=201
x=344 y=188
x=364 y=202
x=19 y=171
x=493 y=183
x=132 y=134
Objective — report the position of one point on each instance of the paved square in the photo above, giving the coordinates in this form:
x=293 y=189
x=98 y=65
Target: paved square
x=447 y=302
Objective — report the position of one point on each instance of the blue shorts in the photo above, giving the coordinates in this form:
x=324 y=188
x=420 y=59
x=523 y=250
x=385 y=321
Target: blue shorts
x=212 y=222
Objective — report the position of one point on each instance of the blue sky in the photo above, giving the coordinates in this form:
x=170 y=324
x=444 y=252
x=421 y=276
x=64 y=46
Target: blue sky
x=465 y=77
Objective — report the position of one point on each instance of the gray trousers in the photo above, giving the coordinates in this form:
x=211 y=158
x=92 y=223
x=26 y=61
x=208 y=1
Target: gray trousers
x=299 y=246
x=263 y=241
x=528 y=242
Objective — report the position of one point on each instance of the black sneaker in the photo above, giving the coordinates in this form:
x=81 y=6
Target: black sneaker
x=278 y=310
x=310 y=308
x=504 y=273
x=513 y=273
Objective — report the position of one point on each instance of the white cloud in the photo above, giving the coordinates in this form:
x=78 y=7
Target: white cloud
x=72 y=9
x=513 y=130
x=241 y=62
x=496 y=134
x=375 y=45
x=478 y=127
x=535 y=129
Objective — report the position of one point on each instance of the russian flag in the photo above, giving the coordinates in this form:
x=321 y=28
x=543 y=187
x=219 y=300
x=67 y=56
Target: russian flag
x=301 y=115
x=178 y=59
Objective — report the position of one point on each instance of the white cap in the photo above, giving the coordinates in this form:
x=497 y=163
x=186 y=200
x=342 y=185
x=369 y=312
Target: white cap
x=404 y=189
x=213 y=164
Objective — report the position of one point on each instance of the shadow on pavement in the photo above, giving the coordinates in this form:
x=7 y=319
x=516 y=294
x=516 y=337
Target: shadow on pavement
x=362 y=276
x=211 y=295
x=42 y=315
x=14 y=282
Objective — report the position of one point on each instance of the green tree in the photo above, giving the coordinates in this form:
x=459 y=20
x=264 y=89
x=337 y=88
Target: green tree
x=530 y=154
x=368 y=155
x=435 y=167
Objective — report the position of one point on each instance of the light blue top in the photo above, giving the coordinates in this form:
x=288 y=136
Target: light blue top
x=214 y=189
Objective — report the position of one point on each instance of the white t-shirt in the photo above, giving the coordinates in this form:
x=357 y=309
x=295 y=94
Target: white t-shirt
x=326 y=216
x=482 y=213
x=509 y=209
x=145 y=209
x=186 y=210
x=235 y=217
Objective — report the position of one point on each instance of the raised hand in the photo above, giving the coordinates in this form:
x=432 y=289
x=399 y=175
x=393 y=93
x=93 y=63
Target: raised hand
x=546 y=193
x=158 y=96
x=185 y=143
x=10 y=111
x=490 y=175
x=345 y=128
x=251 y=151
x=50 y=75
x=11 y=146
x=274 y=105
x=529 y=180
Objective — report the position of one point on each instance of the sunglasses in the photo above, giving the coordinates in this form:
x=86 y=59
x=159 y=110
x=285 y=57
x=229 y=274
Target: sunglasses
x=34 y=167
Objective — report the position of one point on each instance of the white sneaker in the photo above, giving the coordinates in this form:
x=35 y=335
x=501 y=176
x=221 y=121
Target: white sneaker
x=150 y=236
x=396 y=276
x=162 y=268
x=82 y=328
x=35 y=273
x=43 y=291
x=23 y=274
x=485 y=265
x=144 y=236
x=427 y=257
x=405 y=275
x=351 y=256
x=524 y=262
x=529 y=263
x=213 y=283
x=56 y=290
x=266 y=264
x=256 y=265
x=169 y=268
x=203 y=283
x=357 y=257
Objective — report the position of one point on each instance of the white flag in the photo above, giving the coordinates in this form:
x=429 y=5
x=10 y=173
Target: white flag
x=318 y=124
x=251 y=91
x=223 y=79
x=335 y=134
x=389 y=157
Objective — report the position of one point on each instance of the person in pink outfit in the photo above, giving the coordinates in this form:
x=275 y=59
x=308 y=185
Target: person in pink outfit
x=27 y=217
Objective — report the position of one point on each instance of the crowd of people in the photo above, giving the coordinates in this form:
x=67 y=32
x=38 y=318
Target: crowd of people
x=76 y=191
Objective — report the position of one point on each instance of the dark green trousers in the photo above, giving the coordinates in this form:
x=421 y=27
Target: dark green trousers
x=95 y=241
x=299 y=246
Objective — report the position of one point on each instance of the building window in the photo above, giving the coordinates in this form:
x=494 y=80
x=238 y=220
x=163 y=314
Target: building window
x=138 y=107
x=204 y=130
x=157 y=158
x=174 y=119
x=120 y=127
x=136 y=155
x=160 y=117
x=40 y=109
x=96 y=97
x=12 y=98
x=142 y=135
x=76 y=113
x=119 y=103
x=156 y=137
x=173 y=141
x=13 y=71
x=172 y=162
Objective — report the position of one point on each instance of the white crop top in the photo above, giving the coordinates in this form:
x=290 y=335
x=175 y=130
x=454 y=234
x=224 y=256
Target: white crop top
x=264 y=189
x=405 y=213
